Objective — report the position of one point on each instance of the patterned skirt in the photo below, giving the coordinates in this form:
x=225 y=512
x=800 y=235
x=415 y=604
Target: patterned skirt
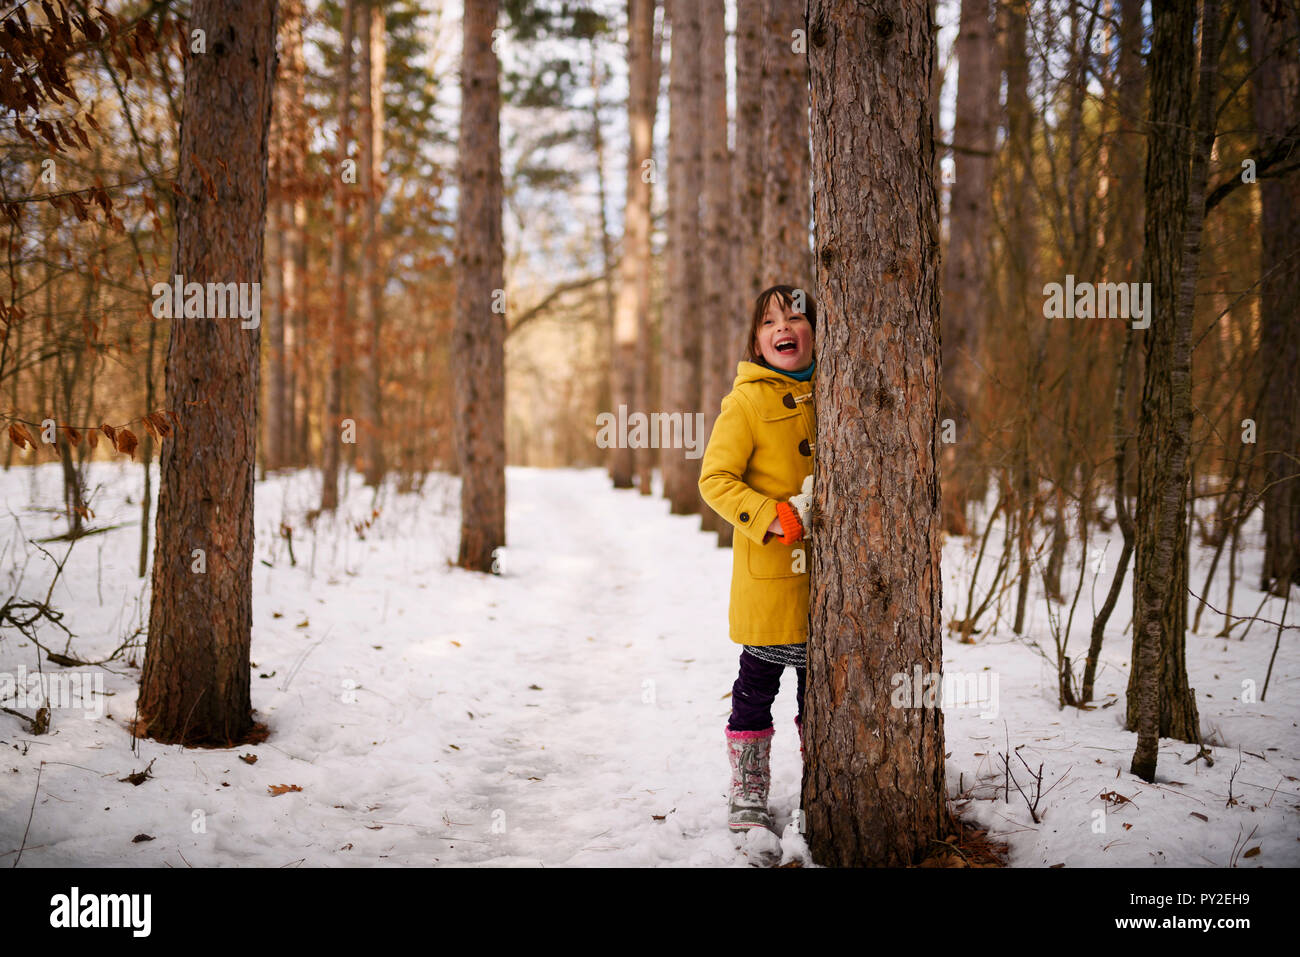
x=794 y=656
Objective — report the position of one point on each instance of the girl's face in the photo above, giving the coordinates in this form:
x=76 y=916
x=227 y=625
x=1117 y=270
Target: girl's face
x=784 y=337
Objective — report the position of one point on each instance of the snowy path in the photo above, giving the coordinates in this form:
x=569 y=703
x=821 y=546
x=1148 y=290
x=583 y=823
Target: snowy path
x=434 y=715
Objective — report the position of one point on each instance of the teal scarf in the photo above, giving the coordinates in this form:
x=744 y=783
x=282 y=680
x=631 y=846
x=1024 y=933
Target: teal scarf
x=802 y=376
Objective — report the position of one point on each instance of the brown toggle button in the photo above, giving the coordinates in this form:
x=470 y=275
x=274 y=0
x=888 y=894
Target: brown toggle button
x=744 y=516
x=804 y=448
x=788 y=400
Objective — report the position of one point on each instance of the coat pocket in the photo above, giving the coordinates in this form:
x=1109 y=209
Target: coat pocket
x=774 y=560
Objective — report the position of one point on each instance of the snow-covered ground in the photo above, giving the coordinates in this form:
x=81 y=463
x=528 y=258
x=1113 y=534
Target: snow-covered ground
x=570 y=711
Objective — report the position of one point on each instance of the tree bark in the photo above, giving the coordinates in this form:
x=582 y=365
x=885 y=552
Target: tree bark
x=1160 y=702
x=331 y=433
x=716 y=362
x=634 y=266
x=293 y=219
x=195 y=684
x=1021 y=287
x=747 y=177
x=373 y=65
x=683 y=320
x=646 y=356
x=876 y=594
x=1277 y=114
x=480 y=329
x=786 y=199
x=967 y=263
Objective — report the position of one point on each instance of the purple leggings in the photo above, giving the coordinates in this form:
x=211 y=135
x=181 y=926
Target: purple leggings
x=755 y=690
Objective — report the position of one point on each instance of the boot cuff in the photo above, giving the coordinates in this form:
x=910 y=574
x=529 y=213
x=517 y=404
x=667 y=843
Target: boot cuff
x=749 y=735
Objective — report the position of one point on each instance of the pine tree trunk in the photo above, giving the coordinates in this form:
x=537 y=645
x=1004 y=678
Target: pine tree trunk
x=373 y=63
x=332 y=432
x=147 y=453
x=683 y=319
x=748 y=171
x=289 y=88
x=1021 y=286
x=646 y=459
x=1277 y=110
x=717 y=364
x=195 y=685
x=479 y=334
x=1160 y=702
x=634 y=266
x=273 y=303
x=876 y=594
x=786 y=198
x=967 y=263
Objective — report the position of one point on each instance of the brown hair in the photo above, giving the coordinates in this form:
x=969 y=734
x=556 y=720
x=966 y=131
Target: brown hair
x=787 y=296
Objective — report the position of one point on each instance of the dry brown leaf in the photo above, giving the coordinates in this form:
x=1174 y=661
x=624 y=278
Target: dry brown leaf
x=278 y=789
x=126 y=442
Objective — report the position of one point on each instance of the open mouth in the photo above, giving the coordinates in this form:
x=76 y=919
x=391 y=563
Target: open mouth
x=787 y=346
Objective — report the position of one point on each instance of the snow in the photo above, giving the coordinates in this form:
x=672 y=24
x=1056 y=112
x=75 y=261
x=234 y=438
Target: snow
x=569 y=711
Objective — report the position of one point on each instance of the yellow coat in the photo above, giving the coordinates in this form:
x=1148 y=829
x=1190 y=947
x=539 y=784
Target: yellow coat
x=759 y=452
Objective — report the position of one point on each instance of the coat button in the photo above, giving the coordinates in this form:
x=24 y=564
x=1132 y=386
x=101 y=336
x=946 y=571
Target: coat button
x=744 y=516
x=788 y=400
x=804 y=448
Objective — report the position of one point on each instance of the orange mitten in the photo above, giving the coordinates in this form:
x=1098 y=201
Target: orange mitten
x=790 y=523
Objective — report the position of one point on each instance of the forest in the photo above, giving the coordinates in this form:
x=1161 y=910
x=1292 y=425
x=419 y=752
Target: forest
x=945 y=352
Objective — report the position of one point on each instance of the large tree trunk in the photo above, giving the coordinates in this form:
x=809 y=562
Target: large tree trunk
x=786 y=198
x=480 y=329
x=373 y=65
x=331 y=433
x=634 y=266
x=717 y=364
x=876 y=592
x=966 y=266
x=195 y=684
x=1160 y=702
x=1277 y=114
x=683 y=319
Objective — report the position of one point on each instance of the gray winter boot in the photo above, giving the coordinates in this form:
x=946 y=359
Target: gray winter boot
x=750 y=752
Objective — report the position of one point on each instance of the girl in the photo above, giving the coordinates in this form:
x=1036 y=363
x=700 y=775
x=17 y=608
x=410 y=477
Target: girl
x=759 y=453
